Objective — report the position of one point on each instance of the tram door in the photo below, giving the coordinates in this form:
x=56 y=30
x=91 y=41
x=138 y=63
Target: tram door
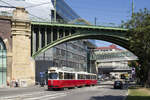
x=3 y=69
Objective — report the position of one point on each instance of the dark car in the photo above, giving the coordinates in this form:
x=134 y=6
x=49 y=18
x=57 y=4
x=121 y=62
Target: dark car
x=118 y=84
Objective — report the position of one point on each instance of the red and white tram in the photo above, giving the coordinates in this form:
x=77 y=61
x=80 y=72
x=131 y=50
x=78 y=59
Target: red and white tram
x=58 y=78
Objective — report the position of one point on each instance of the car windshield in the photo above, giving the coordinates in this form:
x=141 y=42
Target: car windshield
x=53 y=75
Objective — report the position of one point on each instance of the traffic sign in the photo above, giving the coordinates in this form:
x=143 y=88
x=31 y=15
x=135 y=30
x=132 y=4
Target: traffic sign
x=41 y=74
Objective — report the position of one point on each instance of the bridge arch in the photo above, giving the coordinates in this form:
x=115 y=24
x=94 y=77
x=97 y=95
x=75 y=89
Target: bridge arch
x=121 y=41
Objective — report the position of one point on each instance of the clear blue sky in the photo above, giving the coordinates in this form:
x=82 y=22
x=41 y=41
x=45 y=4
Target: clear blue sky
x=106 y=11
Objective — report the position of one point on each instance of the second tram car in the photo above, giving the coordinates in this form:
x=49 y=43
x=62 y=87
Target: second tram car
x=58 y=78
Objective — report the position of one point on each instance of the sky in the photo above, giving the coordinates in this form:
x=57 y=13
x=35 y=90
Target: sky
x=107 y=12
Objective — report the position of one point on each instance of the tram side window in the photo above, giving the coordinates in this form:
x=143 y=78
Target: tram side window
x=53 y=75
x=78 y=76
x=65 y=75
x=87 y=76
x=94 y=76
x=60 y=75
x=68 y=76
x=72 y=76
x=91 y=76
x=81 y=76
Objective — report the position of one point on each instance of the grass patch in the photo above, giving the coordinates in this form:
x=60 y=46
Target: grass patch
x=137 y=93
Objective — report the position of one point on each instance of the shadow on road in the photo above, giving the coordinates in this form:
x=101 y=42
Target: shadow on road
x=107 y=97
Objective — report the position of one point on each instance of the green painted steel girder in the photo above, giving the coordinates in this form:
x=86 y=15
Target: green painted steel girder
x=120 y=42
x=110 y=34
x=79 y=26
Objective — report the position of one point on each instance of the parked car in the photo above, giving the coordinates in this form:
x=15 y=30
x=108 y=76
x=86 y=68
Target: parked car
x=118 y=84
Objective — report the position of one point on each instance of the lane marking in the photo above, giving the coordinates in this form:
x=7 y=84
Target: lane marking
x=27 y=94
x=52 y=94
x=45 y=96
x=53 y=97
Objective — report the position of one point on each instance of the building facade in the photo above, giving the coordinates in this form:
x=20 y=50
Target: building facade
x=110 y=63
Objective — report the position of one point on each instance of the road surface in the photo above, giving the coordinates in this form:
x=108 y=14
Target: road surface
x=100 y=92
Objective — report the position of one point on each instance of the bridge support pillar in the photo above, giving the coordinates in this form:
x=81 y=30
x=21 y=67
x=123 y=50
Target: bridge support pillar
x=23 y=66
x=58 y=34
x=45 y=36
x=52 y=34
x=40 y=39
x=33 y=41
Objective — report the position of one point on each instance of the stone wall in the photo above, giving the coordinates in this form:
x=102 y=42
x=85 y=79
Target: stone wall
x=23 y=66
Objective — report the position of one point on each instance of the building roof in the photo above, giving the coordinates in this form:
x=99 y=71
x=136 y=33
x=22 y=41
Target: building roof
x=110 y=47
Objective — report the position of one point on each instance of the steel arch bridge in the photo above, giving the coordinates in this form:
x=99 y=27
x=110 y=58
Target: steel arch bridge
x=47 y=35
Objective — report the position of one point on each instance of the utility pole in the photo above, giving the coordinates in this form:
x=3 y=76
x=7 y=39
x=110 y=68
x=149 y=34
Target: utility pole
x=55 y=14
x=95 y=20
x=132 y=8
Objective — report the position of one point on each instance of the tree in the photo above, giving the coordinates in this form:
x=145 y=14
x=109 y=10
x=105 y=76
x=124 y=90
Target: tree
x=139 y=38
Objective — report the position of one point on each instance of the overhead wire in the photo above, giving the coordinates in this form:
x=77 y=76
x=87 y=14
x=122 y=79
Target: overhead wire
x=11 y=6
x=37 y=5
x=7 y=3
x=36 y=16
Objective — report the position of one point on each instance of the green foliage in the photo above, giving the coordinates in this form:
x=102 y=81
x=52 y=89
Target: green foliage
x=139 y=37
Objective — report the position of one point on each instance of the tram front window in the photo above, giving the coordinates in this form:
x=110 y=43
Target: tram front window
x=53 y=75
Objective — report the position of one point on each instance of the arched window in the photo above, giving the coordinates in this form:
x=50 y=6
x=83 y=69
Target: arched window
x=3 y=67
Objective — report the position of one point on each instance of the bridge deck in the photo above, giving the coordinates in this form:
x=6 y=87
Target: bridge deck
x=79 y=26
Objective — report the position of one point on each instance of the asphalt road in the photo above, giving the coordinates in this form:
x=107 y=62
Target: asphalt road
x=100 y=92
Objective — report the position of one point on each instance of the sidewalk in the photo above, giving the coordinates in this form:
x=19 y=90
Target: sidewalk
x=8 y=88
x=21 y=90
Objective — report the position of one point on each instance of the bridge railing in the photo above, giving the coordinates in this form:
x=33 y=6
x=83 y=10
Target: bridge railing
x=60 y=21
